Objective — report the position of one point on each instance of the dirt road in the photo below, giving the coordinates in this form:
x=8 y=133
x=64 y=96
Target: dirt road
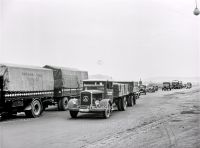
x=161 y=119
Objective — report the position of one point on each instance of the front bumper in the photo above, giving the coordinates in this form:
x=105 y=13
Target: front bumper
x=88 y=110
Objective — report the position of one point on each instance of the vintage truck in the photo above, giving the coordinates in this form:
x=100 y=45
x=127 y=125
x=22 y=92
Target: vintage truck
x=176 y=84
x=166 y=86
x=188 y=85
x=31 y=89
x=143 y=89
x=101 y=96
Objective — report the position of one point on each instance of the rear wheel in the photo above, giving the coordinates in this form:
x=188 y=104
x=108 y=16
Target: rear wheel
x=73 y=114
x=107 y=112
x=123 y=103
x=63 y=104
x=119 y=104
x=134 y=101
x=36 y=109
x=130 y=102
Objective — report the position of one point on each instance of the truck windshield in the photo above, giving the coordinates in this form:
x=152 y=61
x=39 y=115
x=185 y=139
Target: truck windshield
x=97 y=96
x=93 y=87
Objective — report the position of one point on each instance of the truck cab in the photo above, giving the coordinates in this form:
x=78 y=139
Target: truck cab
x=143 y=89
x=1 y=92
x=166 y=86
x=96 y=96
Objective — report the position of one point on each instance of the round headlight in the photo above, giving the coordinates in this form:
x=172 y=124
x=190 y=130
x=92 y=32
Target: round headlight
x=97 y=102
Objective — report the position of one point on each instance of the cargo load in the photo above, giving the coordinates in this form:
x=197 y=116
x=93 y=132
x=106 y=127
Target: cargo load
x=120 y=90
x=18 y=78
x=67 y=77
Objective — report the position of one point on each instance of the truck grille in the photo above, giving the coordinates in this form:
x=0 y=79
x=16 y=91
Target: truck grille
x=86 y=98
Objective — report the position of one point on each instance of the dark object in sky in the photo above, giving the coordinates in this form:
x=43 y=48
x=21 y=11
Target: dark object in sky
x=196 y=11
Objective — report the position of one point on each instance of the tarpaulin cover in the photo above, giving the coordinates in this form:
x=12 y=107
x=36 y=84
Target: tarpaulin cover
x=26 y=78
x=67 y=77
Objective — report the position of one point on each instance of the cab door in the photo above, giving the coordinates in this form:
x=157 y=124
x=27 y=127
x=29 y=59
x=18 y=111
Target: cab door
x=1 y=91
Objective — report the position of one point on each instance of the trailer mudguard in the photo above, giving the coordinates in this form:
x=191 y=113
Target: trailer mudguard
x=28 y=107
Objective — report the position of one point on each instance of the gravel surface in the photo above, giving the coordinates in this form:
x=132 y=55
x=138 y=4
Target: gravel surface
x=161 y=119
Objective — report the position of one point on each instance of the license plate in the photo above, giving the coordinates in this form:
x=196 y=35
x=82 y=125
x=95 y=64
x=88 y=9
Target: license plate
x=84 y=110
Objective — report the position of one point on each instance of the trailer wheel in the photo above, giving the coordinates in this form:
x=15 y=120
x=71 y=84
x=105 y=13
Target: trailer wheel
x=123 y=103
x=63 y=104
x=73 y=114
x=36 y=109
x=134 y=101
x=107 y=112
x=119 y=104
x=130 y=101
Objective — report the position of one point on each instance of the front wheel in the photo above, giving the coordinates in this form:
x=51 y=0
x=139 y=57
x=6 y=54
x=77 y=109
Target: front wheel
x=107 y=112
x=73 y=114
x=36 y=109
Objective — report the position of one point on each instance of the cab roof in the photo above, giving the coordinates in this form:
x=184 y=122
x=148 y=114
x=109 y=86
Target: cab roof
x=97 y=80
x=94 y=91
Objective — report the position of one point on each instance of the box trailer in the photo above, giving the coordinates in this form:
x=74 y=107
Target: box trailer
x=68 y=83
x=24 y=88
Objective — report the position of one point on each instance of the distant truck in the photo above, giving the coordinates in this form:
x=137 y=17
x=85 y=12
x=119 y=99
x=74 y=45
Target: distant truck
x=31 y=89
x=102 y=96
x=188 y=85
x=143 y=89
x=177 y=84
x=166 y=86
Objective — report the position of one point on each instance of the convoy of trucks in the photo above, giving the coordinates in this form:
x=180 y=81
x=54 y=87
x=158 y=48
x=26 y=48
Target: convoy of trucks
x=32 y=89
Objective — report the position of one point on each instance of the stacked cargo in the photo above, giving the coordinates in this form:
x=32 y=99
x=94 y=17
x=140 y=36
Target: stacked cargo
x=120 y=90
x=67 y=77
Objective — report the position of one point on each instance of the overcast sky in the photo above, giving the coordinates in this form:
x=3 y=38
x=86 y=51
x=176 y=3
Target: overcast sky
x=126 y=39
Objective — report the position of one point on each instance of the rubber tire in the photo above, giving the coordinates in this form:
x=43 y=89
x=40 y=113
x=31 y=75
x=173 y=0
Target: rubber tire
x=107 y=112
x=62 y=104
x=119 y=104
x=73 y=114
x=131 y=102
x=134 y=101
x=123 y=103
x=34 y=112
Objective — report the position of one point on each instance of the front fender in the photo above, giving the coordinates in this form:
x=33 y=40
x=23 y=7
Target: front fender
x=72 y=103
x=104 y=103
